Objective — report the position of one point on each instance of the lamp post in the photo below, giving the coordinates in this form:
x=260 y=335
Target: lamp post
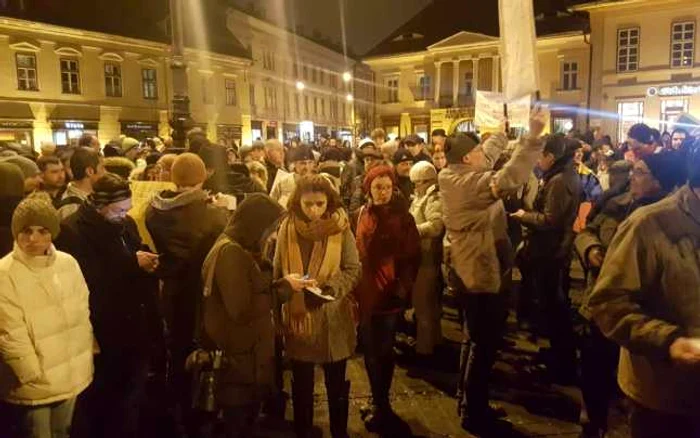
x=180 y=118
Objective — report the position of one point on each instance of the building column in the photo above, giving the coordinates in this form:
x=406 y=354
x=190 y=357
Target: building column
x=246 y=130
x=455 y=83
x=164 y=124
x=109 y=127
x=475 y=75
x=405 y=125
x=438 y=68
x=495 y=73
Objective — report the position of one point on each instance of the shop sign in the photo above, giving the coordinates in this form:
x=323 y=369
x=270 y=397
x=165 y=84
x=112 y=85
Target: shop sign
x=139 y=126
x=674 y=90
x=74 y=126
x=11 y=124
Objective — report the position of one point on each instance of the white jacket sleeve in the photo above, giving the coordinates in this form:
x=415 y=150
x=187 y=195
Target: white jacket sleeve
x=16 y=346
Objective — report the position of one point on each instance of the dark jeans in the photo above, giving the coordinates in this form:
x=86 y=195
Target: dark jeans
x=110 y=407
x=485 y=317
x=550 y=278
x=648 y=423
x=377 y=336
x=239 y=421
x=43 y=421
x=599 y=357
x=303 y=396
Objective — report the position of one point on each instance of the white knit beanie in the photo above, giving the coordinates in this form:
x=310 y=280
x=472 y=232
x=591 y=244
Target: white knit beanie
x=422 y=171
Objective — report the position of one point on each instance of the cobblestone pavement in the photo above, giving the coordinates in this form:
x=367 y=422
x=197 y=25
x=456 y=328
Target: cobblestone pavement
x=424 y=397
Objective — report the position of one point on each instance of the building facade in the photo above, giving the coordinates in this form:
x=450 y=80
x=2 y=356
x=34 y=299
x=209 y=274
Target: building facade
x=435 y=88
x=297 y=87
x=646 y=63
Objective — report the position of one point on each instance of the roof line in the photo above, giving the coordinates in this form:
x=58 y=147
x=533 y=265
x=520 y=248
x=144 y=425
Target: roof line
x=391 y=34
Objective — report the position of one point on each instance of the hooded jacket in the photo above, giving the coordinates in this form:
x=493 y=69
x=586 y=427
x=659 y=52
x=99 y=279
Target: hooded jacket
x=241 y=183
x=238 y=310
x=550 y=223
x=184 y=226
x=123 y=306
x=475 y=217
x=46 y=342
x=647 y=295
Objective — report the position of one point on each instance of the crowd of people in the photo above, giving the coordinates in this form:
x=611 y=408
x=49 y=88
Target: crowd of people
x=227 y=266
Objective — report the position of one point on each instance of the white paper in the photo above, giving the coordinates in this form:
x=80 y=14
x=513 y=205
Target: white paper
x=318 y=293
x=518 y=48
x=488 y=112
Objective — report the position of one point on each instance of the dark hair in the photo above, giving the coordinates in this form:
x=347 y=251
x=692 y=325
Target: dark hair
x=315 y=184
x=43 y=162
x=83 y=159
x=196 y=140
x=153 y=157
x=642 y=133
x=85 y=140
x=693 y=160
x=680 y=130
x=561 y=147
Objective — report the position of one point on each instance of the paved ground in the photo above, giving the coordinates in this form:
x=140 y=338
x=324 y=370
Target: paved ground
x=424 y=398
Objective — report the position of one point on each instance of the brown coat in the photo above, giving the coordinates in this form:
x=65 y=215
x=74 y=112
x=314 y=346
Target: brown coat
x=648 y=294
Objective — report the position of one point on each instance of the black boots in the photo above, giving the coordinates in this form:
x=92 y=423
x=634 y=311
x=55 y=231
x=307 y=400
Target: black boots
x=338 y=406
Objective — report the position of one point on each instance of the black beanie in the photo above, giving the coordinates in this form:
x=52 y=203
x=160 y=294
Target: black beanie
x=402 y=155
x=666 y=168
x=457 y=146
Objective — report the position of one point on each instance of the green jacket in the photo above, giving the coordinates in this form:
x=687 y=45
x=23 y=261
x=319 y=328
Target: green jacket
x=648 y=295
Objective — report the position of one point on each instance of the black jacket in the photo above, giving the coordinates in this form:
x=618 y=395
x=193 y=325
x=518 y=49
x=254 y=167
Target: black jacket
x=123 y=297
x=184 y=226
x=550 y=225
x=241 y=184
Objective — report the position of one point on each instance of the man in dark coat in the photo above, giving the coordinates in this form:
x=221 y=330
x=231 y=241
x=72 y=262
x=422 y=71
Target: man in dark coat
x=548 y=247
x=11 y=193
x=123 y=310
x=403 y=161
x=184 y=225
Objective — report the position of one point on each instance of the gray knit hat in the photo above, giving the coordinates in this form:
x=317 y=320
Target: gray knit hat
x=36 y=210
x=28 y=167
x=11 y=180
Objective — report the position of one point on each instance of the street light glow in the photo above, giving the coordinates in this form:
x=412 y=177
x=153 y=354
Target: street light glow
x=349 y=97
x=300 y=85
x=347 y=76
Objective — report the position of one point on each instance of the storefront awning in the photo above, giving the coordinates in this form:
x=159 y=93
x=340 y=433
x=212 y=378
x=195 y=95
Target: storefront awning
x=16 y=110
x=75 y=112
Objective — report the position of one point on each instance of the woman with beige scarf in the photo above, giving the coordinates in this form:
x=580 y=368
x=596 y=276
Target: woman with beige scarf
x=315 y=241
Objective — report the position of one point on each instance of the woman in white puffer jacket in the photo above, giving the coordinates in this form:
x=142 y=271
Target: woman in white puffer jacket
x=46 y=340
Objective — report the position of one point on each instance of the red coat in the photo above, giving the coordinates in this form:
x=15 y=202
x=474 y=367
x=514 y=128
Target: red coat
x=389 y=246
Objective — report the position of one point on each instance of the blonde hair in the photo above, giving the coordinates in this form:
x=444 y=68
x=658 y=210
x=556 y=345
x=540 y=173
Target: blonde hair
x=258 y=172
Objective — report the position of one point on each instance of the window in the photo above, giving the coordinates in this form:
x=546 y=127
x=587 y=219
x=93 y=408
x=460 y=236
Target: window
x=423 y=85
x=343 y=105
x=682 y=44
x=315 y=106
x=252 y=95
x=334 y=81
x=270 y=98
x=313 y=75
x=306 y=72
x=306 y=106
x=113 y=80
x=628 y=49
x=392 y=86
x=150 y=83
x=321 y=77
x=268 y=60
x=296 y=70
x=323 y=107
x=296 y=104
x=287 y=103
x=671 y=110
x=231 y=94
x=469 y=83
x=70 y=76
x=569 y=76
x=26 y=72
x=206 y=98
x=628 y=114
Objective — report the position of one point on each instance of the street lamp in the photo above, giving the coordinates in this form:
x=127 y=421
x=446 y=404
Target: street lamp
x=349 y=97
x=300 y=85
x=347 y=77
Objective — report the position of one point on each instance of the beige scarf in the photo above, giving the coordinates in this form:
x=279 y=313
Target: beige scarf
x=327 y=237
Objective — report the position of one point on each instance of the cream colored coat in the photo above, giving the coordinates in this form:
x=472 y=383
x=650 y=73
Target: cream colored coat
x=46 y=340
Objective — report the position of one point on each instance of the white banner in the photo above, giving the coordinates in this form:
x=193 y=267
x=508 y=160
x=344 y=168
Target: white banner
x=489 y=110
x=518 y=48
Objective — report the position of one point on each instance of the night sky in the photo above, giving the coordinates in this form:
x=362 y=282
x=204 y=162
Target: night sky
x=367 y=21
